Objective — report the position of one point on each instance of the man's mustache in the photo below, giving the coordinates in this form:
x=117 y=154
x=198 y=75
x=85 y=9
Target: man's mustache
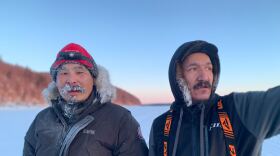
x=73 y=88
x=202 y=84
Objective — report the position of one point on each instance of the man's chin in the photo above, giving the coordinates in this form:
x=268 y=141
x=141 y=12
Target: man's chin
x=201 y=98
x=71 y=99
x=195 y=101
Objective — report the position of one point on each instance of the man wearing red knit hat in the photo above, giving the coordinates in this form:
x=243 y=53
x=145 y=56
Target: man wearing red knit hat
x=81 y=119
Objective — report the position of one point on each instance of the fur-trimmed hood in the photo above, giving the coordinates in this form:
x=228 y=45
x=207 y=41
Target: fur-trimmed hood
x=105 y=89
x=177 y=83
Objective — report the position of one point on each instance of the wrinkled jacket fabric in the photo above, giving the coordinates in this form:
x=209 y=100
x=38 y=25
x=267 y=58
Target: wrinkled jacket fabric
x=103 y=129
x=254 y=116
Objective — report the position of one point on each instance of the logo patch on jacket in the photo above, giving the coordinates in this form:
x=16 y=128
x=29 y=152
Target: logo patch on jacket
x=214 y=125
x=89 y=131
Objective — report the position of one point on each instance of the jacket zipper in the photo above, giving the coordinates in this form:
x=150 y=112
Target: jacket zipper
x=206 y=140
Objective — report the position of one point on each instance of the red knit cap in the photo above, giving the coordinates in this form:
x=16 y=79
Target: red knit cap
x=74 y=53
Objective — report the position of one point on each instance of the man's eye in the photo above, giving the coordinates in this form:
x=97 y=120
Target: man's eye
x=65 y=73
x=80 y=72
x=192 y=69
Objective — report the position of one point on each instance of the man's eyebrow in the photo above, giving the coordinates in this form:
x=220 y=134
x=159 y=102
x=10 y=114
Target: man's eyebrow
x=209 y=63
x=192 y=64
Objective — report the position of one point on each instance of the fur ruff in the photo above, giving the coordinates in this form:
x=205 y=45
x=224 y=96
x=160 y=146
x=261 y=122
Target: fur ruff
x=104 y=87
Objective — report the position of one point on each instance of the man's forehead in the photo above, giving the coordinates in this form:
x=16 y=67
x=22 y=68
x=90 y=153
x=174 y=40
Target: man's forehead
x=68 y=66
x=197 y=58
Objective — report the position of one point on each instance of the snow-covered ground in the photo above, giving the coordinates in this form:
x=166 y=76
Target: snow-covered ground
x=15 y=122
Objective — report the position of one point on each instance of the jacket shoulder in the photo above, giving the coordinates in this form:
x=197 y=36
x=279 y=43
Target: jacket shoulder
x=116 y=107
x=115 y=111
x=45 y=112
x=47 y=115
x=159 y=122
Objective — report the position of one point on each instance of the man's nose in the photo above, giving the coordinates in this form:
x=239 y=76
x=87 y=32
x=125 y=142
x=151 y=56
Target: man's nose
x=72 y=78
x=202 y=74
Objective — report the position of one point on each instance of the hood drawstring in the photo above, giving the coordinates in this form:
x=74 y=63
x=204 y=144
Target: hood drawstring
x=201 y=131
x=178 y=132
x=206 y=141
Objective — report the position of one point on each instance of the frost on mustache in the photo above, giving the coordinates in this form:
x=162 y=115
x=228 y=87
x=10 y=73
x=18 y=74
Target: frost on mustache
x=68 y=88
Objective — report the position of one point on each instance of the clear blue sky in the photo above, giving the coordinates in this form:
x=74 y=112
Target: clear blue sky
x=135 y=40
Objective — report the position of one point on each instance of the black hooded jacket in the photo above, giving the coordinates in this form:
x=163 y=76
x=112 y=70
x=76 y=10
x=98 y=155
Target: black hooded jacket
x=196 y=129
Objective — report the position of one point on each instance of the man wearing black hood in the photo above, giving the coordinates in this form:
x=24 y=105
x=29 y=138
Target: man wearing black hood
x=202 y=123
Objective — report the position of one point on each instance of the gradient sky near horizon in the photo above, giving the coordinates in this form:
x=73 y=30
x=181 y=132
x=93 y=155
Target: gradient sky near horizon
x=135 y=40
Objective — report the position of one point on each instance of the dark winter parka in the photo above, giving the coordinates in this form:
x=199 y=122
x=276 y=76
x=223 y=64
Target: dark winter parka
x=196 y=128
x=102 y=129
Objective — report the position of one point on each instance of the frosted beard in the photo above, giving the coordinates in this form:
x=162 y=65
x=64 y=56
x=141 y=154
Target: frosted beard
x=71 y=88
x=185 y=91
x=72 y=106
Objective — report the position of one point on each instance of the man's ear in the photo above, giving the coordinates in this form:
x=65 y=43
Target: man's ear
x=94 y=81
